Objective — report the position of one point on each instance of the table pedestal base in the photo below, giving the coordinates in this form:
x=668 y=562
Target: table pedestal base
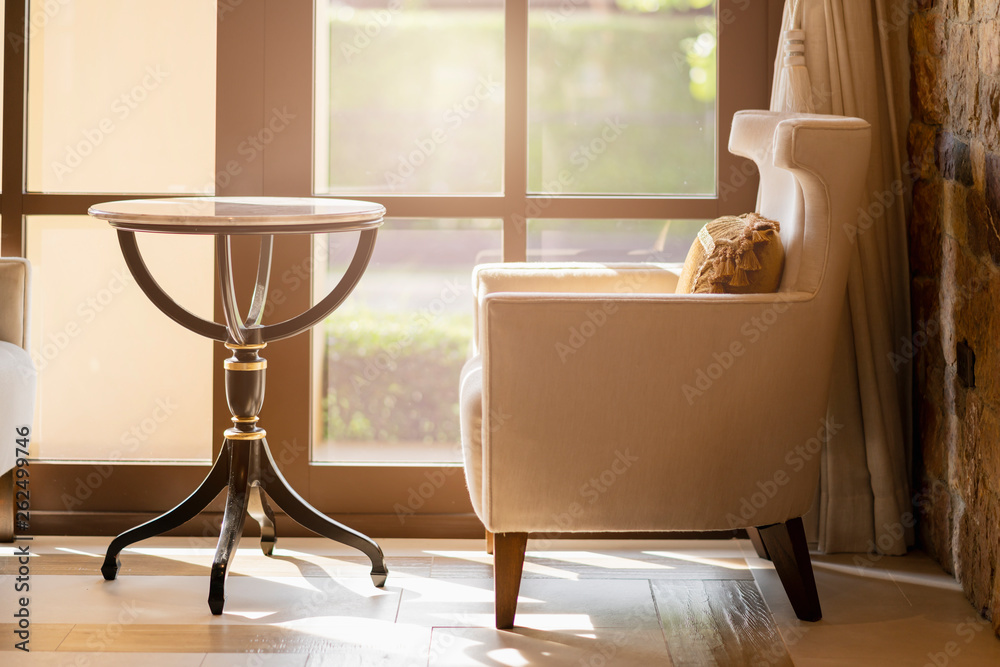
x=247 y=469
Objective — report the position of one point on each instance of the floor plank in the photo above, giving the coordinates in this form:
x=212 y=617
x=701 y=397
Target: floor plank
x=717 y=622
x=43 y=637
x=247 y=562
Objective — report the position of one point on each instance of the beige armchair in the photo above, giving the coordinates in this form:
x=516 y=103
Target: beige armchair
x=599 y=400
x=17 y=377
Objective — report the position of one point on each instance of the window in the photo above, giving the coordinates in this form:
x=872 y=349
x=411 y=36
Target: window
x=490 y=130
x=590 y=129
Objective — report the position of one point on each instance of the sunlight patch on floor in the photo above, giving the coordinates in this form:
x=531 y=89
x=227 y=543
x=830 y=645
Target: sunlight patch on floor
x=727 y=563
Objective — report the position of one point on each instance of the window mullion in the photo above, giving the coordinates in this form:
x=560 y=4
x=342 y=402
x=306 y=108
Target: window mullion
x=515 y=170
x=15 y=56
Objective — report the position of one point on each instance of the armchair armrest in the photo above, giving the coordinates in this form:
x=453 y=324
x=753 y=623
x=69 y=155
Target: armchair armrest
x=679 y=383
x=15 y=285
x=571 y=277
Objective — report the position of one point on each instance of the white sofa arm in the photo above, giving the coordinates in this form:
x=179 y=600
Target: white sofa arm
x=17 y=397
x=571 y=277
x=15 y=285
x=670 y=397
x=17 y=372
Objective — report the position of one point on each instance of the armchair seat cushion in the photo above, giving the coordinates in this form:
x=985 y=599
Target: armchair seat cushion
x=17 y=396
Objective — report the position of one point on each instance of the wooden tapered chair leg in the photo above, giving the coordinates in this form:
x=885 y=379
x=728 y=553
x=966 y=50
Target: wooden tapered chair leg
x=508 y=561
x=786 y=545
x=758 y=544
x=7 y=506
x=489 y=542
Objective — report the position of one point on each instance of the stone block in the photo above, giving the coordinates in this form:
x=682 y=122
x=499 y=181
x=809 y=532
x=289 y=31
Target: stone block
x=976 y=551
x=978 y=151
x=962 y=10
x=989 y=113
x=953 y=158
x=961 y=71
x=928 y=90
x=920 y=142
x=987 y=9
x=951 y=254
x=995 y=606
x=953 y=215
x=989 y=47
x=927 y=33
x=991 y=186
x=934 y=502
x=925 y=229
x=932 y=446
x=983 y=231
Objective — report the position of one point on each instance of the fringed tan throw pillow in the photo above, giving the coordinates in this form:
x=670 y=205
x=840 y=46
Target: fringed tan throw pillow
x=734 y=255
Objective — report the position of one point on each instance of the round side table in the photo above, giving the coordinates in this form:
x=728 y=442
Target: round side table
x=245 y=466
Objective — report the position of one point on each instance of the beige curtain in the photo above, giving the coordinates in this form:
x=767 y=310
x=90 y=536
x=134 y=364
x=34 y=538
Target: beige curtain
x=852 y=56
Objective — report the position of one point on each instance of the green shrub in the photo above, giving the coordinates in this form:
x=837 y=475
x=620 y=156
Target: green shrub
x=393 y=377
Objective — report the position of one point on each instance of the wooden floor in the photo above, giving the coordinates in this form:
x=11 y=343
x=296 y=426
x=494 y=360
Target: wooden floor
x=582 y=604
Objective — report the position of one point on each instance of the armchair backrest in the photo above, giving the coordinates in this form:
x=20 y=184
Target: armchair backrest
x=802 y=158
x=15 y=286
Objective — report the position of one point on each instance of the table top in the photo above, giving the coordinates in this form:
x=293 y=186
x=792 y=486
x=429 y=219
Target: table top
x=240 y=215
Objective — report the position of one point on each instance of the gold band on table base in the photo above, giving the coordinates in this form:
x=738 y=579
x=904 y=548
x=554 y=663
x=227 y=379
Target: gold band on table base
x=233 y=434
x=254 y=346
x=245 y=420
x=245 y=365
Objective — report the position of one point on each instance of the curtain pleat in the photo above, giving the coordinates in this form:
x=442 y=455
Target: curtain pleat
x=857 y=67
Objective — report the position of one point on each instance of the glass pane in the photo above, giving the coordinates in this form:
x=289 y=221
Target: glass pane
x=409 y=96
x=622 y=97
x=117 y=380
x=121 y=96
x=393 y=352
x=611 y=240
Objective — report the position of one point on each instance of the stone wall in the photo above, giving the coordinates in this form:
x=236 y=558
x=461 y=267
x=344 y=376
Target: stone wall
x=954 y=150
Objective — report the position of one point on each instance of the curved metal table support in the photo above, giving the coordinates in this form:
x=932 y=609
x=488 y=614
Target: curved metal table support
x=245 y=467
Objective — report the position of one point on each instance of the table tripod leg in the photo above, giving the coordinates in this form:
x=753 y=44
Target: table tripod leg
x=297 y=508
x=232 y=523
x=262 y=514
x=210 y=487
